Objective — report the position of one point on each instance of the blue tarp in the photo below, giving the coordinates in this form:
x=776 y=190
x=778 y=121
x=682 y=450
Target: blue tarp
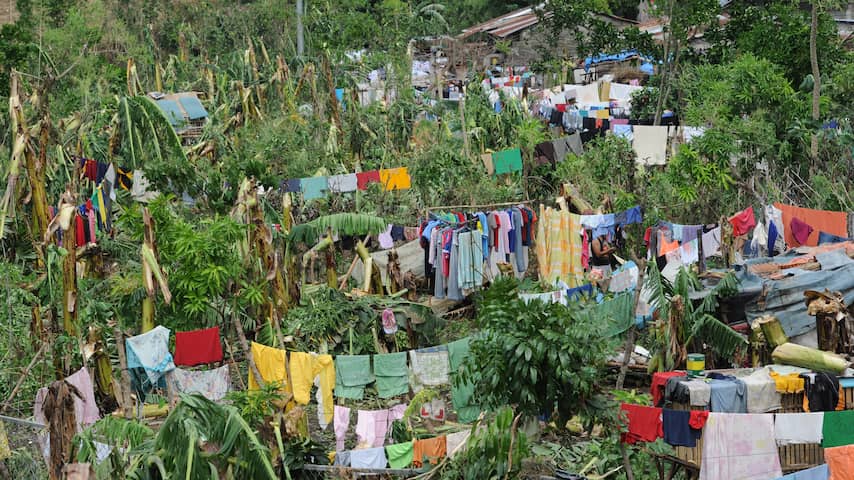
x=784 y=298
x=611 y=57
x=194 y=108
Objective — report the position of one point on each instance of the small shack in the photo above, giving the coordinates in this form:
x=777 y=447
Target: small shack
x=184 y=111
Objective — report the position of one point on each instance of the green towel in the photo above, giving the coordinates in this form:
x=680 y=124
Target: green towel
x=617 y=313
x=392 y=374
x=838 y=429
x=461 y=395
x=314 y=187
x=507 y=161
x=399 y=455
x=352 y=373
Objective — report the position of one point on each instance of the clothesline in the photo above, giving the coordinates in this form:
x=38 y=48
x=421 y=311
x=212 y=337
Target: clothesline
x=486 y=205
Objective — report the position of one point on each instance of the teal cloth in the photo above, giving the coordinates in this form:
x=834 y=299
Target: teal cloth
x=507 y=161
x=352 y=373
x=314 y=187
x=616 y=314
x=392 y=374
x=462 y=393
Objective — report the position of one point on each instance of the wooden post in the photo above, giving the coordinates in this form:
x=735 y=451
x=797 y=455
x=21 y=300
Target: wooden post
x=124 y=397
x=701 y=256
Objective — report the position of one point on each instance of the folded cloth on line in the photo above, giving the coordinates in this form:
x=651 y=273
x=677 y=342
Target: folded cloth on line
x=368 y=458
x=728 y=396
x=699 y=392
x=271 y=365
x=198 y=347
x=211 y=384
x=343 y=183
x=352 y=373
x=392 y=374
x=342 y=458
x=762 y=395
x=399 y=455
x=790 y=428
x=429 y=367
x=314 y=187
x=739 y=446
x=150 y=351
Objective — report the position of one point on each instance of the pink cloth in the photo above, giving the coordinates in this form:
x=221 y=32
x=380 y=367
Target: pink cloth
x=504 y=233
x=396 y=412
x=385 y=239
x=585 y=250
x=738 y=445
x=371 y=428
x=341 y=422
x=92 y=229
x=800 y=230
x=85 y=410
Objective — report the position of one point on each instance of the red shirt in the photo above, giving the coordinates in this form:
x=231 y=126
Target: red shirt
x=644 y=423
x=364 y=178
x=198 y=347
x=743 y=221
x=659 y=380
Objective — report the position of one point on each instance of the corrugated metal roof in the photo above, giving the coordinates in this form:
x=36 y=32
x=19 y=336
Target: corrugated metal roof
x=514 y=22
x=193 y=107
x=172 y=110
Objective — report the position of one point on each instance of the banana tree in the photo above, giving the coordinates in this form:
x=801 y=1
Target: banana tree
x=683 y=324
x=151 y=271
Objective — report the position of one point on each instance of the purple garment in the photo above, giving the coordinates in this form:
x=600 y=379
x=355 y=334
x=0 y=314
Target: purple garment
x=800 y=230
x=689 y=232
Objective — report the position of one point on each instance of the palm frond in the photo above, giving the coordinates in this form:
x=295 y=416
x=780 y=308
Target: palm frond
x=718 y=335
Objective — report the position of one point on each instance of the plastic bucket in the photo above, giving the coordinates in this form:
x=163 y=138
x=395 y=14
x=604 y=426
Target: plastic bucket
x=696 y=364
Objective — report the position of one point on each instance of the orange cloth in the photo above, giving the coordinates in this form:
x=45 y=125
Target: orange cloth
x=432 y=448
x=840 y=462
x=834 y=223
x=395 y=178
x=665 y=247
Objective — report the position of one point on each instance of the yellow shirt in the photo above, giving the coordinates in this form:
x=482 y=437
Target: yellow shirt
x=305 y=367
x=395 y=178
x=271 y=365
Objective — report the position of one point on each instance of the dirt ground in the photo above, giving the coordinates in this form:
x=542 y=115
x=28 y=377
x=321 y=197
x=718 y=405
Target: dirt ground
x=8 y=14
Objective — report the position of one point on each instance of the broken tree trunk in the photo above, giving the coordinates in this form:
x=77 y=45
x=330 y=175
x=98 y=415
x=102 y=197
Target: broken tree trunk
x=772 y=330
x=830 y=320
x=62 y=424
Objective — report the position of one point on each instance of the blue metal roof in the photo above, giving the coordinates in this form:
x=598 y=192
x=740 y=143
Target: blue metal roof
x=173 y=112
x=194 y=108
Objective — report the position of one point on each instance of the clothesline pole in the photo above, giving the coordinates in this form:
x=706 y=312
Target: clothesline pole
x=486 y=205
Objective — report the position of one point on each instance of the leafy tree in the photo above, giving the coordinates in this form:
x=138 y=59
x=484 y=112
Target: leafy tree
x=540 y=357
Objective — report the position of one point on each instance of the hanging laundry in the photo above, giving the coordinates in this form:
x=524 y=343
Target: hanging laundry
x=399 y=455
x=149 y=352
x=431 y=449
x=429 y=367
x=124 y=176
x=787 y=379
x=308 y=368
x=738 y=446
x=368 y=458
x=507 y=161
x=271 y=365
x=212 y=384
x=293 y=185
x=762 y=395
x=650 y=144
x=822 y=393
x=396 y=178
x=470 y=251
x=198 y=347
x=643 y=424
x=371 y=427
x=729 y=395
x=392 y=374
x=343 y=183
x=801 y=231
x=792 y=428
x=342 y=458
x=85 y=408
x=486 y=158
x=389 y=324
x=602 y=225
x=659 y=381
x=837 y=428
x=456 y=442
x=545 y=153
x=840 y=462
x=313 y=187
x=742 y=222
x=462 y=393
x=834 y=223
x=559 y=246
x=623 y=131
x=352 y=374
x=690 y=133
x=575 y=145
x=364 y=178
x=677 y=431
x=386 y=242
x=341 y=419
x=712 y=242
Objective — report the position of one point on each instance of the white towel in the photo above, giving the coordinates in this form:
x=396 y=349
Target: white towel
x=650 y=144
x=762 y=395
x=368 y=458
x=456 y=442
x=792 y=428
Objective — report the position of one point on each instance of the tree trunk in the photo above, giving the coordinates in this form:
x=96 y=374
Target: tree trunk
x=148 y=322
x=816 y=88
